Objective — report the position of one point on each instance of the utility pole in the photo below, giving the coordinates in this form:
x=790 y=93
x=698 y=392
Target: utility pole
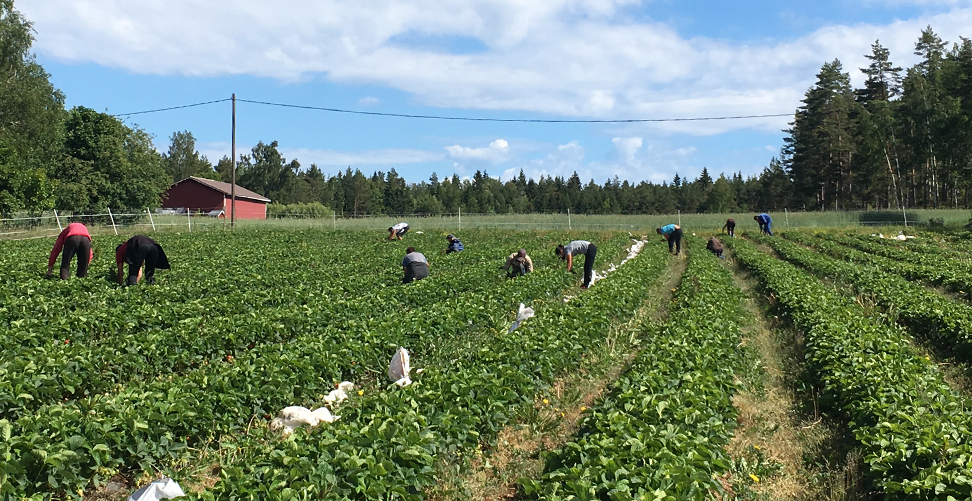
x=233 y=156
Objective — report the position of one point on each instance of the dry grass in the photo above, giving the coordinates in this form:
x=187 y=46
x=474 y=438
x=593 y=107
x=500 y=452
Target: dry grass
x=494 y=473
x=781 y=418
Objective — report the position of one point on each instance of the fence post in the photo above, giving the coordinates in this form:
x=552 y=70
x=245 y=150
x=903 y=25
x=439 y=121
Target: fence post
x=334 y=219
x=150 y=218
x=460 y=218
x=59 y=227
x=568 y=219
x=112 y=221
x=679 y=211
x=905 y=214
x=787 y=214
x=189 y=219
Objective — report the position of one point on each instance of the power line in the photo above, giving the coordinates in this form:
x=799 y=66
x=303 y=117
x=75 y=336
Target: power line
x=465 y=119
x=521 y=120
x=170 y=108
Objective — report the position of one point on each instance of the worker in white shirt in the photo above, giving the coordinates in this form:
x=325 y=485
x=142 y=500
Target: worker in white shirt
x=575 y=248
x=397 y=231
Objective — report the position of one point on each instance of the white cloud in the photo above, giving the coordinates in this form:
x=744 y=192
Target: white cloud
x=331 y=158
x=632 y=160
x=560 y=57
x=627 y=146
x=498 y=151
x=369 y=101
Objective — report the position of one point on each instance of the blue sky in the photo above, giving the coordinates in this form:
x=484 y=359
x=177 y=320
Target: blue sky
x=575 y=59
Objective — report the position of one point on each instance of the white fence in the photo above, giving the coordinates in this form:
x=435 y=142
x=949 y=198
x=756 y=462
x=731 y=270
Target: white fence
x=49 y=224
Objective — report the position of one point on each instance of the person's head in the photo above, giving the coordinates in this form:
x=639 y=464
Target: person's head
x=755 y=218
x=559 y=251
x=658 y=231
x=450 y=237
x=521 y=253
x=390 y=229
x=409 y=250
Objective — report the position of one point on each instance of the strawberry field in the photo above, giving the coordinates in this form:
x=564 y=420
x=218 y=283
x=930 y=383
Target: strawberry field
x=105 y=385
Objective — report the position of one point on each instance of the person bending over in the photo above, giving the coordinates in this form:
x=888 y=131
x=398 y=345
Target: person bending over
x=415 y=265
x=730 y=227
x=73 y=240
x=575 y=248
x=138 y=251
x=765 y=223
x=672 y=233
x=397 y=231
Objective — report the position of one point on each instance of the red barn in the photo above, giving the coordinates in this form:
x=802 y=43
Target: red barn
x=206 y=195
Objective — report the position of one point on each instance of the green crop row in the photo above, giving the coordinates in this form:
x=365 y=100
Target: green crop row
x=386 y=445
x=926 y=313
x=952 y=274
x=660 y=433
x=913 y=429
x=930 y=243
x=61 y=447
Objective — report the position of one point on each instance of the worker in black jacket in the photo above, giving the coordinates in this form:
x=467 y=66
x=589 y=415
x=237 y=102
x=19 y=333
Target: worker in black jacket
x=138 y=251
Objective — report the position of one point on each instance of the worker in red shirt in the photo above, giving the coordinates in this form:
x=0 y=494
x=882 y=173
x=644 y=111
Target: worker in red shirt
x=137 y=251
x=74 y=239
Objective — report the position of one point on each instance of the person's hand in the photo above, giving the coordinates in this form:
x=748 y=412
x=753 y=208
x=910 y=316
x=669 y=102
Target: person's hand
x=50 y=271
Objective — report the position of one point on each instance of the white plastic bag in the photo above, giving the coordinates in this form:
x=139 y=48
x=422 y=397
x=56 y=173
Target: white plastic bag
x=339 y=395
x=399 y=368
x=164 y=488
x=523 y=314
x=293 y=417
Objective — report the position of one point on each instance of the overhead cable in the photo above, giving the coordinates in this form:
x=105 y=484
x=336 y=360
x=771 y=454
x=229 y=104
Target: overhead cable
x=521 y=120
x=171 y=108
x=466 y=119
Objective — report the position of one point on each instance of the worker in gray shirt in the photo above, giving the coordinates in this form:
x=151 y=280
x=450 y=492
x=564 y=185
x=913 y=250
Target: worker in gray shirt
x=415 y=265
x=575 y=248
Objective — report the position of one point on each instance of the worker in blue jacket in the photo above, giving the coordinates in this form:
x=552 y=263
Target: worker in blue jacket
x=672 y=233
x=455 y=245
x=765 y=223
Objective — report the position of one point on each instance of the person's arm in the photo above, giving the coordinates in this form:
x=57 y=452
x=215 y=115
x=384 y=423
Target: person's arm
x=58 y=245
x=120 y=262
x=570 y=261
x=529 y=264
x=509 y=262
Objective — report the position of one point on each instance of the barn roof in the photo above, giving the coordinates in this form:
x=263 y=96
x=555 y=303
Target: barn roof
x=225 y=188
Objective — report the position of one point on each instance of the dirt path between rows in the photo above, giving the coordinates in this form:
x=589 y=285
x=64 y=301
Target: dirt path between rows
x=803 y=455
